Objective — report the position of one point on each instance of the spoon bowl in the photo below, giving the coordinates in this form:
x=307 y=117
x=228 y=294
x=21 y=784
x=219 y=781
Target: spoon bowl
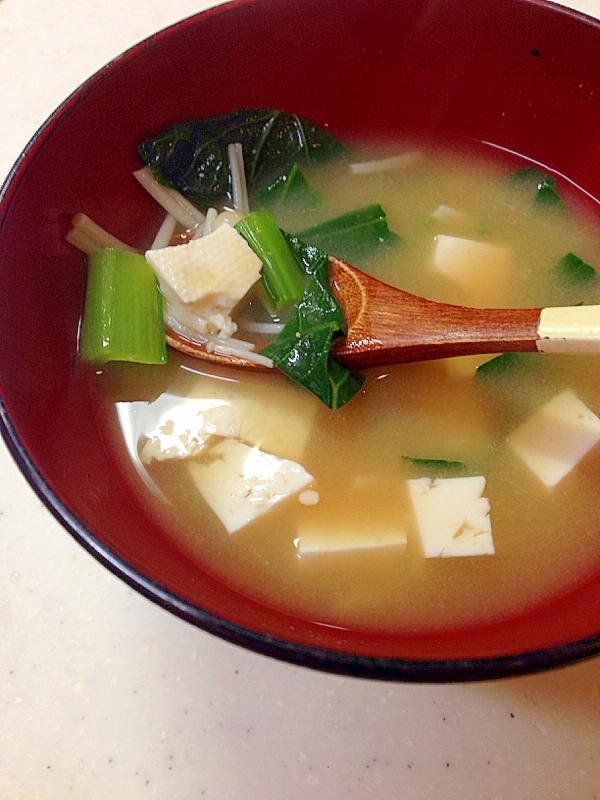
x=386 y=326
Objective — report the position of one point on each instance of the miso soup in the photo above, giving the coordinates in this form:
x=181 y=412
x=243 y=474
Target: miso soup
x=375 y=485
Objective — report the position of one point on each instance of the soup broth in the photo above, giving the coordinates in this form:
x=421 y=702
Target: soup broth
x=363 y=456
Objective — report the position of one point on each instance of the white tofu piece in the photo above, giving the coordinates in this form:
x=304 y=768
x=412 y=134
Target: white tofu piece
x=240 y=483
x=483 y=270
x=309 y=497
x=218 y=269
x=366 y=511
x=185 y=429
x=273 y=415
x=555 y=439
x=452 y=516
x=313 y=540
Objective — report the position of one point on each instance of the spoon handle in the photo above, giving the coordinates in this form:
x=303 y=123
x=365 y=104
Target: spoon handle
x=389 y=326
x=574 y=330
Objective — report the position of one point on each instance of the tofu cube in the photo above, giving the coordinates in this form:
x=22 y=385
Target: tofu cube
x=240 y=483
x=273 y=415
x=555 y=439
x=452 y=516
x=313 y=539
x=218 y=268
x=483 y=270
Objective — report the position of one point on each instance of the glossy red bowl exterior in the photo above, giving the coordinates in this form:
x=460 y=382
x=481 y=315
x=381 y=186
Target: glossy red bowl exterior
x=520 y=74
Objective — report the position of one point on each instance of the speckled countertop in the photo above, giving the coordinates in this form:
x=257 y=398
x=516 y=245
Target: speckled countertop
x=105 y=696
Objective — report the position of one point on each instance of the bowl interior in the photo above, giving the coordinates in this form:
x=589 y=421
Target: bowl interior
x=522 y=75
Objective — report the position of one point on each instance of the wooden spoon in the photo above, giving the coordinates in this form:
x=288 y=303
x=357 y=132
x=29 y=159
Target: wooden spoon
x=389 y=326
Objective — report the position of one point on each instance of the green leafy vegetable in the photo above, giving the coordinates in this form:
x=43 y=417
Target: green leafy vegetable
x=500 y=365
x=192 y=156
x=123 y=319
x=436 y=464
x=283 y=277
x=312 y=259
x=575 y=270
x=354 y=236
x=290 y=189
x=302 y=350
x=544 y=184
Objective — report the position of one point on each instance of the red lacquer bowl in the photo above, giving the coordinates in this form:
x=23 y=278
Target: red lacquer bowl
x=520 y=74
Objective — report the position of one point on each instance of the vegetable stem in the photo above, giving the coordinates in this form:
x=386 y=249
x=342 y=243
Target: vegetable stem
x=123 y=318
x=303 y=348
x=282 y=275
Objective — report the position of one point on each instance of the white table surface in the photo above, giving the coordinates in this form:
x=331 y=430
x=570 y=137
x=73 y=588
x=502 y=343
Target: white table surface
x=104 y=695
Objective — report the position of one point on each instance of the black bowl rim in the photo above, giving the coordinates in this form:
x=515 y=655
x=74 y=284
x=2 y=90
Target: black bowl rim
x=322 y=659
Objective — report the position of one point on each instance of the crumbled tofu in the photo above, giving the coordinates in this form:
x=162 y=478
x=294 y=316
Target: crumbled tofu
x=313 y=539
x=452 y=516
x=556 y=438
x=240 y=483
x=220 y=265
x=275 y=417
x=184 y=429
x=483 y=270
x=309 y=497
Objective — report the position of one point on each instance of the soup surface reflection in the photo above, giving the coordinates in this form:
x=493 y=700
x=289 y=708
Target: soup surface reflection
x=364 y=458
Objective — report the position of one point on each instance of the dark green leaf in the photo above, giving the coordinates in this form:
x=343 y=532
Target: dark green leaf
x=290 y=189
x=354 y=236
x=311 y=258
x=302 y=350
x=500 y=365
x=436 y=464
x=192 y=156
x=547 y=196
x=531 y=176
x=575 y=270
x=543 y=185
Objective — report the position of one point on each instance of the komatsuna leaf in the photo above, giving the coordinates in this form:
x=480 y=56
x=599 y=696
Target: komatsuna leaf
x=436 y=464
x=302 y=350
x=290 y=189
x=192 y=156
x=508 y=370
x=354 y=236
x=575 y=270
x=543 y=184
x=312 y=259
